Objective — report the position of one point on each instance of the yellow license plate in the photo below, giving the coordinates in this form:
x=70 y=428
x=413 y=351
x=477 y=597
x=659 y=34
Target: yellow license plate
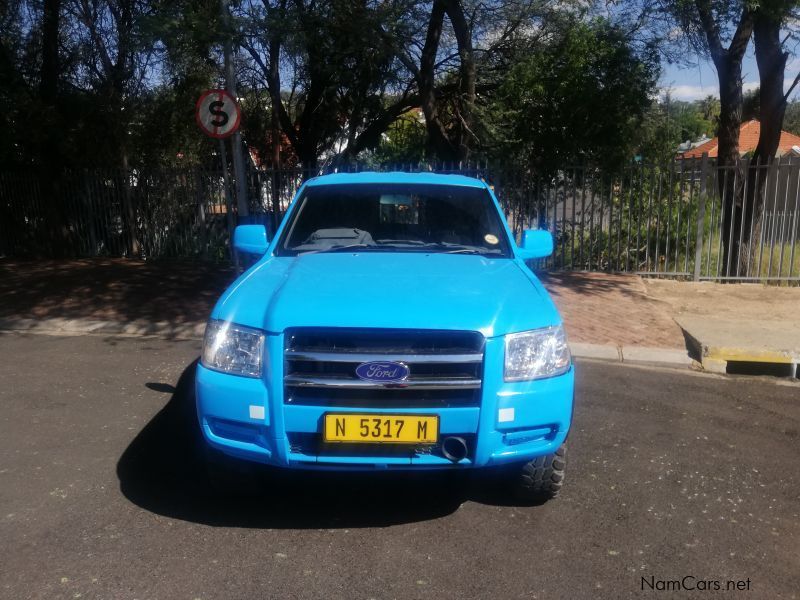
x=381 y=429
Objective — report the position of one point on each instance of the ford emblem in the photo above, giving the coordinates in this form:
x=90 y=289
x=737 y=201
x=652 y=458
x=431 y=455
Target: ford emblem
x=385 y=371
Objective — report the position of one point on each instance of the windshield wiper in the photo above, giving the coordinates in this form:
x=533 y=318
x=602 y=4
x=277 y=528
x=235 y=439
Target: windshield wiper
x=450 y=248
x=464 y=251
x=401 y=243
x=388 y=245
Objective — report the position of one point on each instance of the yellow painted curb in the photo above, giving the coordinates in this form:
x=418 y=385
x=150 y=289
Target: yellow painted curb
x=748 y=355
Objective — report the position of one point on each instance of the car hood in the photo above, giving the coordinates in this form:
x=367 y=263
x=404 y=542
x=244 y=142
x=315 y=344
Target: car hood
x=389 y=290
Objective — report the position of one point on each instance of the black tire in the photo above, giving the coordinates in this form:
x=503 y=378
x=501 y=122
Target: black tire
x=541 y=479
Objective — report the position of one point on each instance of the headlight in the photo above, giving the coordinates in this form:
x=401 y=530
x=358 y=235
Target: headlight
x=232 y=348
x=536 y=354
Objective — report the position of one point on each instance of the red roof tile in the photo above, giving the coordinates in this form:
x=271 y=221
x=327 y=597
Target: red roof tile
x=748 y=140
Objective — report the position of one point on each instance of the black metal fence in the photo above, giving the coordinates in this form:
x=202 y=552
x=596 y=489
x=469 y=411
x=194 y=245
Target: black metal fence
x=665 y=221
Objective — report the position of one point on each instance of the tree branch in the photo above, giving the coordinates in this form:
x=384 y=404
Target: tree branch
x=791 y=88
x=710 y=28
x=741 y=38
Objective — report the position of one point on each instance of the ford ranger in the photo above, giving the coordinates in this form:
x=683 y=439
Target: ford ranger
x=391 y=323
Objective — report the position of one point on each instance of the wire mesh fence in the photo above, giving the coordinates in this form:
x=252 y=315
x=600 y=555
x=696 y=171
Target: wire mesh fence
x=688 y=219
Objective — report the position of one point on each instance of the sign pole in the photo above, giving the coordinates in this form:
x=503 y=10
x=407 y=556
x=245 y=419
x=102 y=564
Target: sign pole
x=218 y=115
x=228 y=202
x=230 y=83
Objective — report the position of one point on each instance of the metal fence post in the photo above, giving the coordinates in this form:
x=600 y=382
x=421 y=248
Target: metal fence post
x=701 y=216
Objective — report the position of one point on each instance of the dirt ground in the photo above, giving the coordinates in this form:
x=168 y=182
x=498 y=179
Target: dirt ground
x=745 y=301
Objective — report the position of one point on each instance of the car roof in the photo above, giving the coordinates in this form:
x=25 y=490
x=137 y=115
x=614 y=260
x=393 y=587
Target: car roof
x=395 y=177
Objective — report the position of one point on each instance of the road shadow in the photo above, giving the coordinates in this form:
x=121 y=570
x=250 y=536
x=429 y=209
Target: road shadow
x=162 y=471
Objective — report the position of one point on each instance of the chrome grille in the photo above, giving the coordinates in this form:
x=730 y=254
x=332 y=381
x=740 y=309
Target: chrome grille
x=446 y=367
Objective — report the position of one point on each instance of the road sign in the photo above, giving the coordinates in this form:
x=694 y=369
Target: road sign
x=217 y=113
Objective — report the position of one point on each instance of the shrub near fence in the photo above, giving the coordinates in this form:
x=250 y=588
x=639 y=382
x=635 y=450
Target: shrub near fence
x=663 y=221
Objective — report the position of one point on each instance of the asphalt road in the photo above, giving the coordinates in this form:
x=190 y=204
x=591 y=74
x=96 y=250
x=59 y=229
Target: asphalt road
x=670 y=475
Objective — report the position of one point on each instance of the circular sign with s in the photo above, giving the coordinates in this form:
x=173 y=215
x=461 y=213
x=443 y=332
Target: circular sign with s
x=217 y=113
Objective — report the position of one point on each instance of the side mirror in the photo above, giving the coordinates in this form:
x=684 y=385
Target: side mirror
x=251 y=239
x=536 y=243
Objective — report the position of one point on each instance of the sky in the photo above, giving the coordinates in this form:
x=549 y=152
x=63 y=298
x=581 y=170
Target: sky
x=700 y=81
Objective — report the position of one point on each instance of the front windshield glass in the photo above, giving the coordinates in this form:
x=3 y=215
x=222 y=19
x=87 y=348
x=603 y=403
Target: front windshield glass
x=395 y=218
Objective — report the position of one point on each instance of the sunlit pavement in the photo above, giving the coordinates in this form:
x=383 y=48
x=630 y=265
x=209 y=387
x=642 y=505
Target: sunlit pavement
x=671 y=474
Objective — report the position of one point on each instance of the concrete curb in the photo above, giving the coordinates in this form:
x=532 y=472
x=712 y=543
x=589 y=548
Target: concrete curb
x=719 y=341
x=632 y=354
x=195 y=330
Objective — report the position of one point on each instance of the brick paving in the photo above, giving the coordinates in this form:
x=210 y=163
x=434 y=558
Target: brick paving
x=597 y=308
x=601 y=308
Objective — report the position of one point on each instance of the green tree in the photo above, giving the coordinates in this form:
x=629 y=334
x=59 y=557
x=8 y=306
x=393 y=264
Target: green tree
x=791 y=121
x=709 y=107
x=669 y=123
x=581 y=97
x=404 y=141
x=331 y=71
x=751 y=105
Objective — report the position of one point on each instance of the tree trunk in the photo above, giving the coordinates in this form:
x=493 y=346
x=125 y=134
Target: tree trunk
x=128 y=208
x=728 y=63
x=729 y=72
x=438 y=140
x=771 y=60
x=51 y=20
x=467 y=75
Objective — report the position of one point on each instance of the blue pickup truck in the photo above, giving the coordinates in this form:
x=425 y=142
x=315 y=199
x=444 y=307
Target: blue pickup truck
x=392 y=323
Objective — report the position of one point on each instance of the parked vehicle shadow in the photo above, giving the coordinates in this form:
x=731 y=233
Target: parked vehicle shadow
x=162 y=471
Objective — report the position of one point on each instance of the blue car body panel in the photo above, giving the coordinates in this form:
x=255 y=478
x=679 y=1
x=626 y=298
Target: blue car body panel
x=249 y=418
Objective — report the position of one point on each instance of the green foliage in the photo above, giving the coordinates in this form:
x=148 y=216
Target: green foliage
x=669 y=123
x=580 y=98
x=340 y=63
x=347 y=81
x=751 y=105
x=129 y=72
x=791 y=121
x=404 y=142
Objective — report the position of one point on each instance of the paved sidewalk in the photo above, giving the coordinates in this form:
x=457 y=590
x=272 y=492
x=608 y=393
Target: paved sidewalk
x=111 y=289
x=607 y=317
x=597 y=308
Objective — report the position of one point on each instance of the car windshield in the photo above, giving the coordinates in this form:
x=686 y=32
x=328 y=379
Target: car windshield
x=395 y=218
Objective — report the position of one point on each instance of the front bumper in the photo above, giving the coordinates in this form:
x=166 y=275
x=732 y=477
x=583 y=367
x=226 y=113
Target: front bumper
x=247 y=418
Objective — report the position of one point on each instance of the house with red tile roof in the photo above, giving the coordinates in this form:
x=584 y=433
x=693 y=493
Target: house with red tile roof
x=748 y=140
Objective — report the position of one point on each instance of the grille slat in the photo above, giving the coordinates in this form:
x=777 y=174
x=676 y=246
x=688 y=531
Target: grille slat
x=446 y=368
x=418 y=383
x=349 y=357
